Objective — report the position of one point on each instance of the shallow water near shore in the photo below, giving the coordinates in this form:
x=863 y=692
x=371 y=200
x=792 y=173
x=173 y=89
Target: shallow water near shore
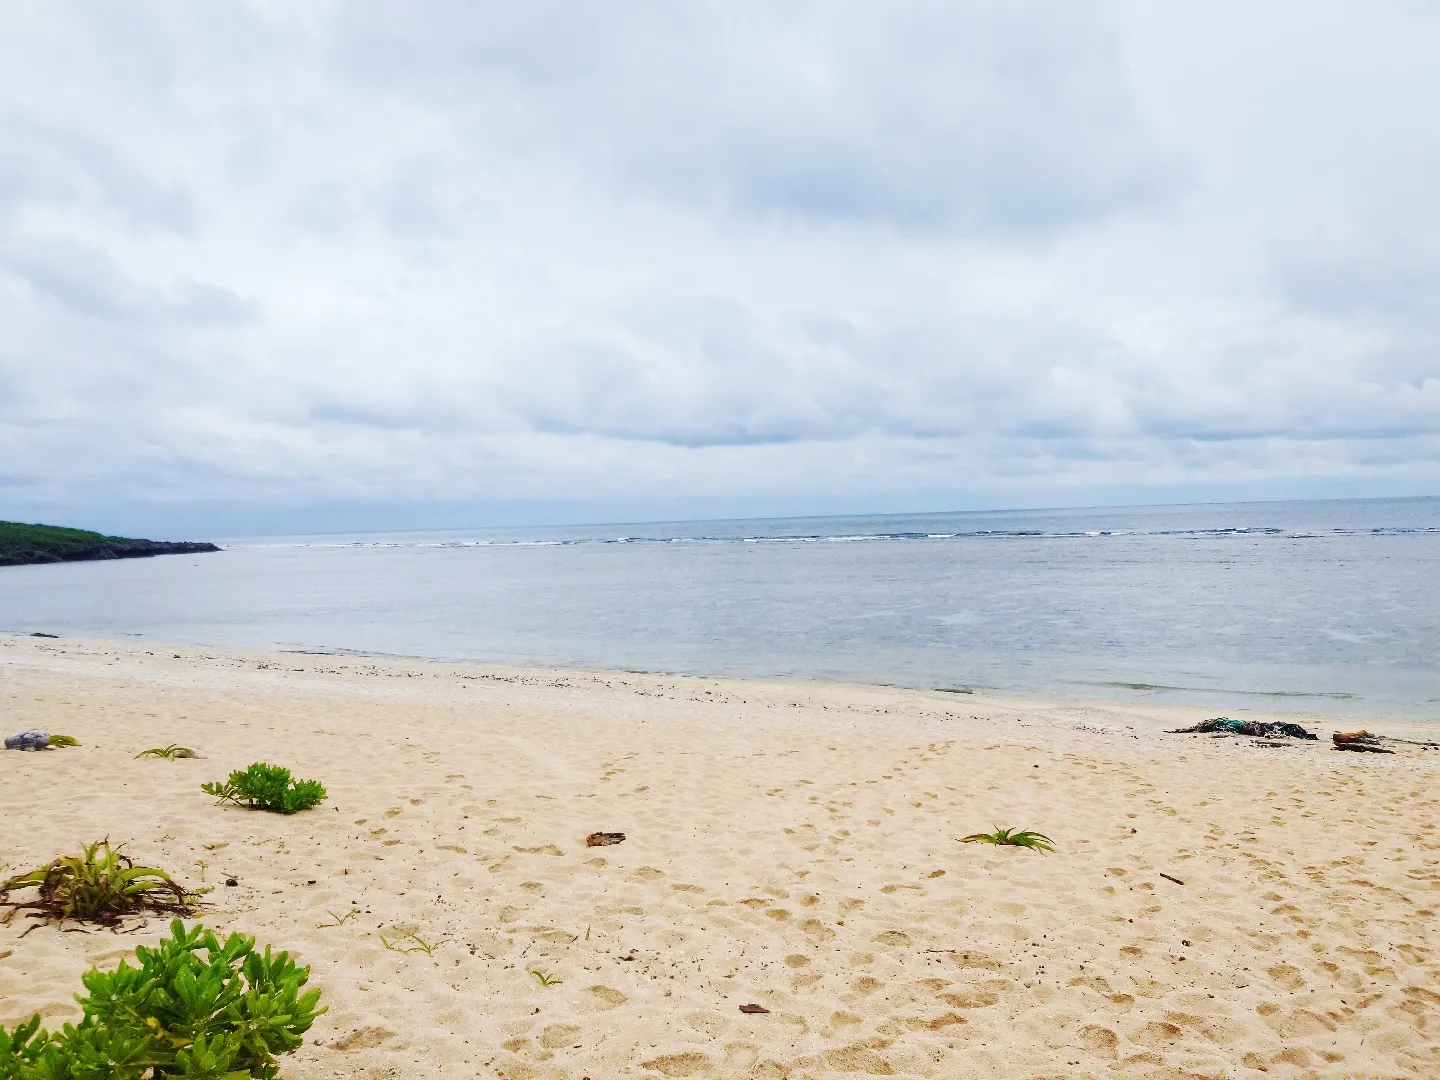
x=1316 y=608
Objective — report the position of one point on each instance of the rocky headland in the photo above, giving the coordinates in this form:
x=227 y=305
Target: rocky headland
x=22 y=545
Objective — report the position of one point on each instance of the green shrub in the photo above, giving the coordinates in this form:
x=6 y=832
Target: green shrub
x=267 y=787
x=223 y=1015
x=100 y=885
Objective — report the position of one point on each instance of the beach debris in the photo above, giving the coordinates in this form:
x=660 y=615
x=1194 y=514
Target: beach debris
x=1428 y=744
x=1361 y=741
x=1267 y=729
x=41 y=633
x=27 y=740
x=1177 y=881
x=753 y=1010
x=1025 y=838
x=604 y=839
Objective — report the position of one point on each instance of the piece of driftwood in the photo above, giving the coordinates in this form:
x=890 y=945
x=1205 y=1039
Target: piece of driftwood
x=1360 y=741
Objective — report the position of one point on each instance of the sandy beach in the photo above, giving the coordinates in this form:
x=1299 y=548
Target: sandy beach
x=1215 y=908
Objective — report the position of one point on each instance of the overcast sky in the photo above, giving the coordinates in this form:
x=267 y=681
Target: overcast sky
x=324 y=264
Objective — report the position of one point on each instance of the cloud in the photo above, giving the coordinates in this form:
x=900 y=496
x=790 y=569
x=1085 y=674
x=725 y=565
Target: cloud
x=256 y=254
x=918 y=116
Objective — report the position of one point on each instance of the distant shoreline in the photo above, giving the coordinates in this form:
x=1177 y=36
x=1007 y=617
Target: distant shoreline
x=28 y=545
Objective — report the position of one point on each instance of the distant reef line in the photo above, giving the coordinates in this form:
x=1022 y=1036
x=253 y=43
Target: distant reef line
x=23 y=545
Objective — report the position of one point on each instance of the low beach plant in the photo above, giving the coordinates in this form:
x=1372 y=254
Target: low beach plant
x=421 y=945
x=99 y=885
x=267 y=787
x=194 y=1008
x=64 y=740
x=174 y=750
x=1012 y=838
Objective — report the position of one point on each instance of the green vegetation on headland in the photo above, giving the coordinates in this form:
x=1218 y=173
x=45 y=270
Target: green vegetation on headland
x=24 y=544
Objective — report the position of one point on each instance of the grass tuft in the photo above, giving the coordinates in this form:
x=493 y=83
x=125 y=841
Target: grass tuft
x=99 y=885
x=421 y=945
x=1012 y=838
x=174 y=750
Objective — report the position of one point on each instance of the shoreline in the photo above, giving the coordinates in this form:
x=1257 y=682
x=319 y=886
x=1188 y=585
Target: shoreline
x=1214 y=908
x=1378 y=720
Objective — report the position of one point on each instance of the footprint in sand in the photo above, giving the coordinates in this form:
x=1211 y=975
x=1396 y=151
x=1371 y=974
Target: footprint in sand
x=687 y=1064
x=1102 y=1042
x=558 y=1036
x=605 y=997
x=365 y=1038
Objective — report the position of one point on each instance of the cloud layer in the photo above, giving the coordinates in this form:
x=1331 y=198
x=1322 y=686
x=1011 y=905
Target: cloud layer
x=284 y=254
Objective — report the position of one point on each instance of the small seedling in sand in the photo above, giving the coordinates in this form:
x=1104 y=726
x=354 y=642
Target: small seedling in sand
x=421 y=945
x=1012 y=838
x=64 y=740
x=194 y=1008
x=341 y=920
x=174 y=750
x=545 y=979
x=100 y=885
x=267 y=787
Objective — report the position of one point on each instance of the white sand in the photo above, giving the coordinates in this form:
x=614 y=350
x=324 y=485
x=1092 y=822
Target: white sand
x=792 y=846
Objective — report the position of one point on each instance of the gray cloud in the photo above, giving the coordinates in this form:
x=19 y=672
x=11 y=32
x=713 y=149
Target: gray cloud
x=254 y=254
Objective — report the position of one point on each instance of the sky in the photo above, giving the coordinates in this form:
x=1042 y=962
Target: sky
x=304 y=266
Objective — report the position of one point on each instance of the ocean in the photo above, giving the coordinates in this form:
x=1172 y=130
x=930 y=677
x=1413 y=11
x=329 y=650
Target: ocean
x=1329 y=608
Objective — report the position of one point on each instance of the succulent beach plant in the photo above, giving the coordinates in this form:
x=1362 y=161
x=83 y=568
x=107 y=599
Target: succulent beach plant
x=267 y=787
x=64 y=740
x=194 y=1008
x=99 y=885
x=1025 y=838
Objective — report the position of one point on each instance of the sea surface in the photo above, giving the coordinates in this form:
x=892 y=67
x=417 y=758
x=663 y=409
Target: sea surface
x=1328 y=608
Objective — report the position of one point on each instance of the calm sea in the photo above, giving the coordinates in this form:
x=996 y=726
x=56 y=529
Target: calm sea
x=1316 y=607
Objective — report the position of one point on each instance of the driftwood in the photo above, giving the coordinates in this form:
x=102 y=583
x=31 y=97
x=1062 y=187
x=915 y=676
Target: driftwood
x=1360 y=741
